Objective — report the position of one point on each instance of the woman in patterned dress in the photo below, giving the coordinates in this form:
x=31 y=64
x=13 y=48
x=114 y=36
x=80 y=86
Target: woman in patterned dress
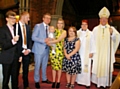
x=57 y=58
x=71 y=62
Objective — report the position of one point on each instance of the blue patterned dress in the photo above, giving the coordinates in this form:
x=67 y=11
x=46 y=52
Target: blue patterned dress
x=72 y=66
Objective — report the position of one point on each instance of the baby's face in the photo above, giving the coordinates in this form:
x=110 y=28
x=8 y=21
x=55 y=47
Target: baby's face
x=52 y=29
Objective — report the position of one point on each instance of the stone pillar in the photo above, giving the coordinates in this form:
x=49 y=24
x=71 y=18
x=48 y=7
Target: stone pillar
x=27 y=5
x=58 y=12
x=20 y=6
x=59 y=6
x=24 y=5
x=55 y=19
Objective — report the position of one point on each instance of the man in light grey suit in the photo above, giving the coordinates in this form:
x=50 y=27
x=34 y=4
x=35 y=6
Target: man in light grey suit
x=41 y=49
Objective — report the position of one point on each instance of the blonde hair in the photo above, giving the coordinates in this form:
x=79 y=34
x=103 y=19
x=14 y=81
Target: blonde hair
x=51 y=26
x=60 y=19
x=24 y=13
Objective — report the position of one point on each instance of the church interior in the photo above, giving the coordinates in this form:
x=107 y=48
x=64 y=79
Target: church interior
x=72 y=11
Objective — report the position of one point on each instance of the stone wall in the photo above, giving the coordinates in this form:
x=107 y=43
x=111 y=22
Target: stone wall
x=38 y=8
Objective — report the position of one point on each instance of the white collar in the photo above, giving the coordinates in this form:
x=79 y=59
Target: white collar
x=45 y=24
x=21 y=23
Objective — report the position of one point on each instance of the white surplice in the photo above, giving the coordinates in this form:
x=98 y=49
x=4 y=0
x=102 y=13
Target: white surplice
x=86 y=47
x=1 y=78
x=102 y=66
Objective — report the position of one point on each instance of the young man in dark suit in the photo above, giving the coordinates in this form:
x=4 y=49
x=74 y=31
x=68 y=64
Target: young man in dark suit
x=8 y=52
x=24 y=45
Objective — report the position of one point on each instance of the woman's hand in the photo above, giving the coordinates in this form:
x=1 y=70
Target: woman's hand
x=68 y=56
x=48 y=43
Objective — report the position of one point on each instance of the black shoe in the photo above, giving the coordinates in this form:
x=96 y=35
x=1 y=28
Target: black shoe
x=53 y=85
x=88 y=87
x=37 y=85
x=79 y=84
x=101 y=87
x=96 y=85
x=47 y=81
x=58 y=85
x=27 y=88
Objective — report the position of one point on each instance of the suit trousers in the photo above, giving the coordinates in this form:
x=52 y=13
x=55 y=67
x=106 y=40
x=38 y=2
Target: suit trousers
x=25 y=68
x=10 y=70
x=41 y=61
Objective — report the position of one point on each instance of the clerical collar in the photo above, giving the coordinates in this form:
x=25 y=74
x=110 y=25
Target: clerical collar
x=84 y=30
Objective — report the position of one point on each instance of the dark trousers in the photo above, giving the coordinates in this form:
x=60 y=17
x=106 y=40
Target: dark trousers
x=25 y=68
x=10 y=70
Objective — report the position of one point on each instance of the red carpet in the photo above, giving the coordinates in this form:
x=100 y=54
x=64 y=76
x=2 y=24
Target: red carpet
x=48 y=86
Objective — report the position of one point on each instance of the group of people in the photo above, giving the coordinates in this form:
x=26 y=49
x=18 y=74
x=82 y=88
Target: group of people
x=69 y=51
x=15 y=45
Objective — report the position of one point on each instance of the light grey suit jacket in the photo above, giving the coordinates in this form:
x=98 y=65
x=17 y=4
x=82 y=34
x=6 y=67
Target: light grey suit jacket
x=39 y=36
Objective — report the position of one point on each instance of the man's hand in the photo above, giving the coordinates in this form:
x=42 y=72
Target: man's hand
x=111 y=30
x=16 y=38
x=26 y=52
x=90 y=55
x=20 y=59
x=46 y=40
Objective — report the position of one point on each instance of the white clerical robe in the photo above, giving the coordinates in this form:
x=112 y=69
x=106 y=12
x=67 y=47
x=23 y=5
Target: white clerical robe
x=86 y=48
x=102 y=66
x=1 y=78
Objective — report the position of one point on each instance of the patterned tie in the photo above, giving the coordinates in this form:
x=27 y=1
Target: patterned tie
x=24 y=33
x=46 y=32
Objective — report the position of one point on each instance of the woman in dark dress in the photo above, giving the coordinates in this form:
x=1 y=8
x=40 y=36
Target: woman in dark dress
x=71 y=62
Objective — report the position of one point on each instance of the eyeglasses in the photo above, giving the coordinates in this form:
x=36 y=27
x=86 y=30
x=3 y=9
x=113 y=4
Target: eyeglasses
x=47 y=18
x=59 y=23
x=12 y=18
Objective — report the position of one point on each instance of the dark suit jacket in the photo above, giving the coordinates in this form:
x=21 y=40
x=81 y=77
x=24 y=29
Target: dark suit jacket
x=8 y=52
x=28 y=35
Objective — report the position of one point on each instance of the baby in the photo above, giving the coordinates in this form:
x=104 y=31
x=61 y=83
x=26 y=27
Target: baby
x=52 y=36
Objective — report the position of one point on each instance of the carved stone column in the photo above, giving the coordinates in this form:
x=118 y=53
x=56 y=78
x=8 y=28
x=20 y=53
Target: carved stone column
x=24 y=5
x=55 y=19
x=27 y=5
x=58 y=12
